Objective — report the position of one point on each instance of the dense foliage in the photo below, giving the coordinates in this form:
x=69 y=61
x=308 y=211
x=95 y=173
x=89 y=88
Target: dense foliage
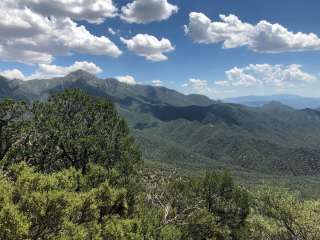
x=71 y=170
x=73 y=129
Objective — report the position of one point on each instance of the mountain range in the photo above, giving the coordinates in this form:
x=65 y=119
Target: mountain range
x=193 y=131
x=294 y=101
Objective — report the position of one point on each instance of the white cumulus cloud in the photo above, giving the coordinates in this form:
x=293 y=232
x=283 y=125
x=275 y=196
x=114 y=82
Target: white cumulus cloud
x=157 y=83
x=127 y=79
x=45 y=71
x=12 y=74
x=240 y=77
x=278 y=76
x=146 y=11
x=30 y=37
x=149 y=47
x=198 y=83
x=93 y=11
x=49 y=71
x=263 y=37
x=200 y=86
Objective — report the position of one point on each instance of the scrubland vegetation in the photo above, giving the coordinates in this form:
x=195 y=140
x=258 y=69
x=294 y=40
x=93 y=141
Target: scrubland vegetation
x=70 y=169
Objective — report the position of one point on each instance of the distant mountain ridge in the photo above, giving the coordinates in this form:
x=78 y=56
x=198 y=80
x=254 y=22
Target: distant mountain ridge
x=294 y=101
x=195 y=131
x=41 y=88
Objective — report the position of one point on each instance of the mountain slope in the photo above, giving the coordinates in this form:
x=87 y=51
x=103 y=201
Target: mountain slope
x=194 y=131
x=109 y=87
x=255 y=139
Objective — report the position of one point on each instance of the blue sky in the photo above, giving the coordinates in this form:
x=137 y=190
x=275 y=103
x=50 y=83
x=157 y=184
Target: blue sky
x=202 y=60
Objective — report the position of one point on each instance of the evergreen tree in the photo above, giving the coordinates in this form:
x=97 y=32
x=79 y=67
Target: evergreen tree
x=73 y=129
x=11 y=124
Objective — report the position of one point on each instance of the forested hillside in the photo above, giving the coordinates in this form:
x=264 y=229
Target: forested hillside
x=193 y=131
x=70 y=169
